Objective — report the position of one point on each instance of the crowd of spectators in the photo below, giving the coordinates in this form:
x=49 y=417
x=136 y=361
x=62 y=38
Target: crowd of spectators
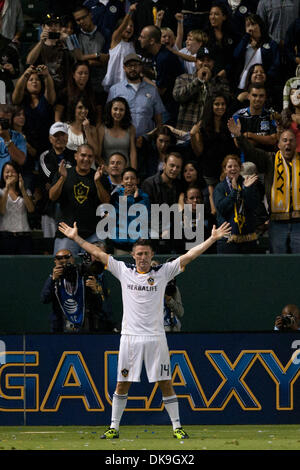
x=159 y=103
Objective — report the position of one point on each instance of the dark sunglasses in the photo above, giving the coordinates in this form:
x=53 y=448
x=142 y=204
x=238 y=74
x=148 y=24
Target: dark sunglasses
x=59 y=257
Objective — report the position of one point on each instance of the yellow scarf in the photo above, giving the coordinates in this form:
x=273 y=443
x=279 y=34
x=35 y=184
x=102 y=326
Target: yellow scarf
x=286 y=188
x=154 y=12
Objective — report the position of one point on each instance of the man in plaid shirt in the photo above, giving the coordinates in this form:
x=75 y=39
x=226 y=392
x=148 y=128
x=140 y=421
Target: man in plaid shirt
x=192 y=90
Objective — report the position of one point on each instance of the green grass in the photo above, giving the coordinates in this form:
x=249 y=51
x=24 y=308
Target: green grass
x=252 y=437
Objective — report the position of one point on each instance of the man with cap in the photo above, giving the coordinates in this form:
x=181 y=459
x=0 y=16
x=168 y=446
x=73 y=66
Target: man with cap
x=144 y=101
x=192 y=90
x=48 y=166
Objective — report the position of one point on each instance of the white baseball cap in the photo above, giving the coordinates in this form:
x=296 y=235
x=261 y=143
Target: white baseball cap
x=58 y=127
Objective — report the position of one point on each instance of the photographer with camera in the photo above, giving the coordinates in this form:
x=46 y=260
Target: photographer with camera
x=78 y=295
x=52 y=51
x=173 y=307
x=289 y=320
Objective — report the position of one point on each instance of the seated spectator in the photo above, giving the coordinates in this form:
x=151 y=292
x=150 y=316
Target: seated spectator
x=211 y=141
x=48 y=166
x=117 y=133
x=222 y=38
x=153 y=149
x=35 y=91
x=79 y=84
x=236 y=200
x=51 y=52
x=255 y=47
x=80 y=130
x=79 y=191
x=257 y=122
x=146 y=107
x=121 y=45
x=290 y=116
x=124 y=240
x=15 y=203
x=289 y=320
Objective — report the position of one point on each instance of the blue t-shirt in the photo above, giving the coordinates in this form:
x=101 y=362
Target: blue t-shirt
x=19 y=142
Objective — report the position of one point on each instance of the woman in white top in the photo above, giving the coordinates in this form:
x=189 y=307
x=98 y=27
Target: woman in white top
x=121 y=45
x=15 y=203
x=80 y=131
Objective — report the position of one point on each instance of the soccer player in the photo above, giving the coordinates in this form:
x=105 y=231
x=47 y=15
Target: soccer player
x=143 y=337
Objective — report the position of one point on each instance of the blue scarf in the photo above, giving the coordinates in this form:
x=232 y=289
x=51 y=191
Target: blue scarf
x=71 y=299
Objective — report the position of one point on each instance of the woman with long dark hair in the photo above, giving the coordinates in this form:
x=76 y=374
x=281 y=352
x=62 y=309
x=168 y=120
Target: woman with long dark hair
x=211 y=141
x=79 y=84
x=117 y=133
x=15 y=203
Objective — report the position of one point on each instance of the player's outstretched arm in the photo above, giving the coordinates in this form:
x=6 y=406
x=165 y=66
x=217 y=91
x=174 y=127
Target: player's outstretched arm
x=216 y=234
x=72 y=233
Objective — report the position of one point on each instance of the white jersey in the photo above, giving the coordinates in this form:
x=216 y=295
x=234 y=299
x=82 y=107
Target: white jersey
x=143 y=295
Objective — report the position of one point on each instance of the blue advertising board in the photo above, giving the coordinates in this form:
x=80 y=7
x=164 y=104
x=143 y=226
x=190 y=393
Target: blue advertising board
x=219 y=378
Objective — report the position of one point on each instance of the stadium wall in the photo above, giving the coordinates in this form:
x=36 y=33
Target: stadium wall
x=219 y=378
x=220 y=293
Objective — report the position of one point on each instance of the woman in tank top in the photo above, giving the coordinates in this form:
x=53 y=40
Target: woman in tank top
x=117 y=134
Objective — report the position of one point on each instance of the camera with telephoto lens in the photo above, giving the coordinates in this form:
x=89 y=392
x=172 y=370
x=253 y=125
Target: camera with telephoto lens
x=287 y=320
x=85 y=269
x=4 y=123
x=171 y=288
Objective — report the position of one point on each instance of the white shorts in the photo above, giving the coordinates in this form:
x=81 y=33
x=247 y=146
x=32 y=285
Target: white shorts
x=153 y=351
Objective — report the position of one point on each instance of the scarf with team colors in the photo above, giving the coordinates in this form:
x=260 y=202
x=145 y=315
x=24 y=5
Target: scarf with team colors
x=286 y=188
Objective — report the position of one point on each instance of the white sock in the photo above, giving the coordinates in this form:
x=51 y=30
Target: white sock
x=171 y=404
x=118 y=406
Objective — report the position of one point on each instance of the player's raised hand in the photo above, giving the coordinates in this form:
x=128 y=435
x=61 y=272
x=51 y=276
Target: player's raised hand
x=70 y=232
x=223 y=231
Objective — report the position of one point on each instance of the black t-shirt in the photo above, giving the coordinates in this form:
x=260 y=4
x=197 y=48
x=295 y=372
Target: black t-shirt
x=78 y=202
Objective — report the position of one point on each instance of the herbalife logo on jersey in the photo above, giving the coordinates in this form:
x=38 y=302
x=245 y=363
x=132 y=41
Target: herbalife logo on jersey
x=160 y=222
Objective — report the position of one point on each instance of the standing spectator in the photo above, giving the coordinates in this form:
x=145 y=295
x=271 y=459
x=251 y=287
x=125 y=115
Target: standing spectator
x=51 y=51
x=290 y=116
x=92 y=46
x=117 y=133
x=258 y=76
x=167 y=66
x=117 y=163
x=12 y=20
x=195 y=14
x=144 y=101
x=79 y=84
x=121 y=45
x=257 y=123
x=222 y=39
x=79 y=192
x=282 y=187
x=9 y=64
x=292 y=46
x=48 y=166
x=105 y=15
x=236 y=200
x=12 y=143
x=211 y=141
x=192 y=90
x=255 y=47
x=123 y=240
x=278 y=16
x=15 y=202
x=36 y=92
x=238 y=10
x=80 y=130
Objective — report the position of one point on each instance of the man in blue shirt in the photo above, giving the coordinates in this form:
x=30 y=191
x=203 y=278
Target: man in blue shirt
x=144 y=101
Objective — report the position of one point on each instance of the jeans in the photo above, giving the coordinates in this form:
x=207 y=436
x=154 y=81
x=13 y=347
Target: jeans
x=67 y=244
x=284 y=237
